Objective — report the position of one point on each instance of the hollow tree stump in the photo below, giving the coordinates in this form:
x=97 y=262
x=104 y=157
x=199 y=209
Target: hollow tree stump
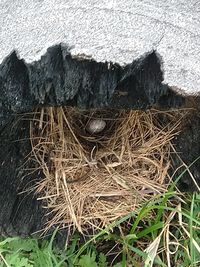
x=90 y=54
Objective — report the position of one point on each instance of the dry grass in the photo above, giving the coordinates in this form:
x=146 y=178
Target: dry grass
x=92 y=180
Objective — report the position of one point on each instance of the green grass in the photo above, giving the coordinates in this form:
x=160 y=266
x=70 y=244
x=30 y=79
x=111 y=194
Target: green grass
x=164 y=232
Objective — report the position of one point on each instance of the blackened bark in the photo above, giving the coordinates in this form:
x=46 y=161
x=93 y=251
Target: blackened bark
x=58 y=79
x=20 y=214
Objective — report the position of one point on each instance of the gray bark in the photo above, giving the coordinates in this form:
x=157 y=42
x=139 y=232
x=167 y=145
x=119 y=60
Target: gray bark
x=115 y=31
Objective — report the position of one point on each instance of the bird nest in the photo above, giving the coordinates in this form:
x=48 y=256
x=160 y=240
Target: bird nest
x=100 y=165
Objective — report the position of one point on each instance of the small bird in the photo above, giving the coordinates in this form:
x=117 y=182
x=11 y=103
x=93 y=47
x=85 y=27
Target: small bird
x=95 y=126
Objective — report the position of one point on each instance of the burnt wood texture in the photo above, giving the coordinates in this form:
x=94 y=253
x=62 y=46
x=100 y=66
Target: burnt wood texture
x=58 y=79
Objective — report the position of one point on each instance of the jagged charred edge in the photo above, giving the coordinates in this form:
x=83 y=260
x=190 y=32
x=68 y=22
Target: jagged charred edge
x=60 y=79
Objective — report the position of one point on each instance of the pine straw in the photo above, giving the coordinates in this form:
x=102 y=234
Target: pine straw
x=91 y=180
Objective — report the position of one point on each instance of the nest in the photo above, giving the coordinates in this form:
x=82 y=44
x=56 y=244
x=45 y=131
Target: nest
x=92 y=179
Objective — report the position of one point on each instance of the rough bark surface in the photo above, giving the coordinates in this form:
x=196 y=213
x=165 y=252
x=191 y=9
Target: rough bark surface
x=20 y=214
x=188 y=149
x=59 y=79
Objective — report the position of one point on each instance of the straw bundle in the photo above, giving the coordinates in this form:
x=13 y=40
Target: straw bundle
x=92 y=179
